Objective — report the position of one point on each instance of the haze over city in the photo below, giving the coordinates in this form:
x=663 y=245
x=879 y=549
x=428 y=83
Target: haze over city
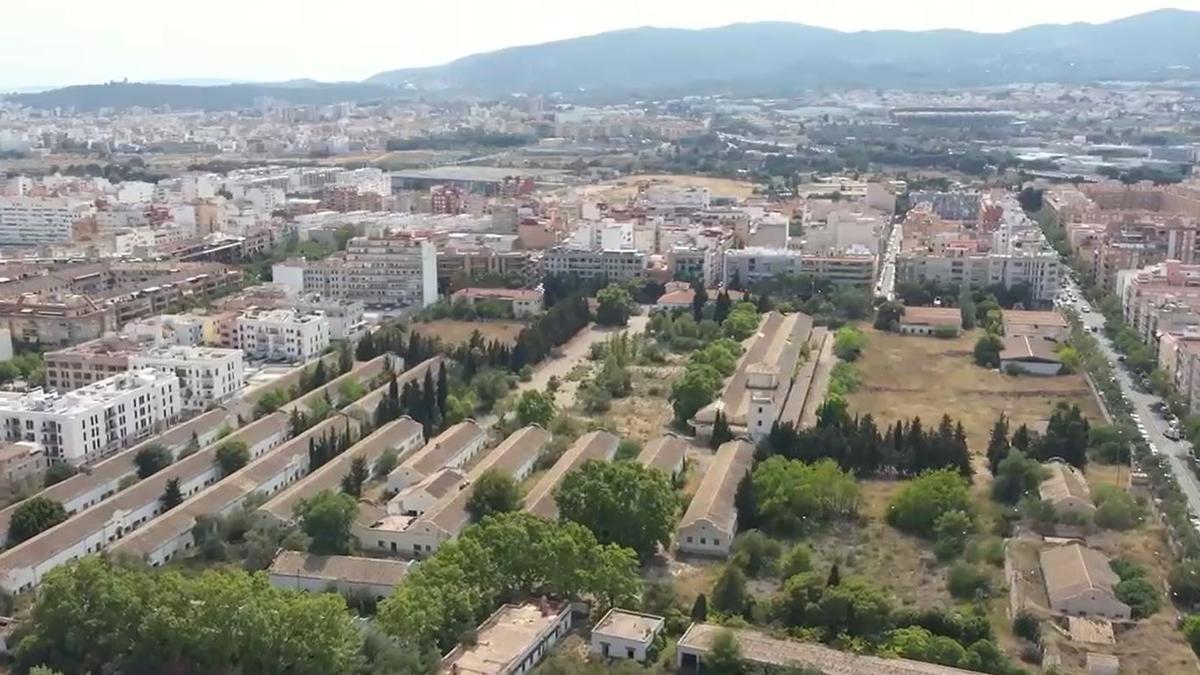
x=612 y=338
x=228 y=40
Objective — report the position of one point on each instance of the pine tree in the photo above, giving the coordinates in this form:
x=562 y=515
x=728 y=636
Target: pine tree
x=721 y=432
x=700 y=609
x=172 y=496
x=998 y=446
x=1022 y=438
x=724 y=303
x=699 y=298
x=429 y=399
x=353 y=482
x=443 y=391
x=835 y=576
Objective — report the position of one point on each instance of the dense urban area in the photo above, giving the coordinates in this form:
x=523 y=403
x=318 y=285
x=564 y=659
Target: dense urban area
x=855 y=382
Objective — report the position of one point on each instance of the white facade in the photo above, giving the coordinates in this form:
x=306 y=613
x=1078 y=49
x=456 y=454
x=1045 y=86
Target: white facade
x=282 y=334
x=613 y=265
x=623 y=634
x=207 y=375
x=28 y=221
x=390 y=271
x=345 y=317
x=89 y=423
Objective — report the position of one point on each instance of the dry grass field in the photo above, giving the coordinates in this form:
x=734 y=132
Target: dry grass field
x=874 y=550
x=626 y=187
x=905 y=376
x=453 y=332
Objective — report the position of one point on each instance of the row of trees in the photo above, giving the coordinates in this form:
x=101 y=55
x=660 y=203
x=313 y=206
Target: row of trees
x=1068 y=436
x=857 y=445
x=94 y=616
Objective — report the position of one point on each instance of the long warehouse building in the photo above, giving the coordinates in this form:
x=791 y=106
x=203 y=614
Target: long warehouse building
x=171 y=532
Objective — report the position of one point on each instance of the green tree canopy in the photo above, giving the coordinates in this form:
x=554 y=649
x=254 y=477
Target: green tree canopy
x=34 y=516
x=164 y=621
x=151 y=459
x=231 y=456
x=919 y=504
x=326 y=517
x=534 y=407
x=623 y=503
x=793 y=497
x=615 y=304
x=493 y=493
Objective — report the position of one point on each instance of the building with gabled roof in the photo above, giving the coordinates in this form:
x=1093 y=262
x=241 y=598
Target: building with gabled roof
x=1080 y=582
x=375 y=577
x=1066 y=489
x=711 y=520
x=452 y=448
x=596 y=445
x=666 y=453
x=422 y=535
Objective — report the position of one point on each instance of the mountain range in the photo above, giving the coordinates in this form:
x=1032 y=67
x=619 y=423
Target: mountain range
x=750 y=58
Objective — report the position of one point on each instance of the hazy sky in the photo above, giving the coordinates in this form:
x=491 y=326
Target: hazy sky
x=58 y=42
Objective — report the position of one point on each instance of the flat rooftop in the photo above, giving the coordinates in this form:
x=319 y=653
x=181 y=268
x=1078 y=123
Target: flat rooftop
x=502 y=639
x=628 y=625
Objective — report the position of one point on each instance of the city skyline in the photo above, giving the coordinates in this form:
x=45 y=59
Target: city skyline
x=265 y=43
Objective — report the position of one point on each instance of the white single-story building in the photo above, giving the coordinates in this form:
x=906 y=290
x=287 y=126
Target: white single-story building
x=376 y=577
x=624 y=634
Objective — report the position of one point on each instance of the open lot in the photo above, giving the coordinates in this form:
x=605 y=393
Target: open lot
x=454 y=332
x=874 y=550
x=906 y=376
x=626 y=187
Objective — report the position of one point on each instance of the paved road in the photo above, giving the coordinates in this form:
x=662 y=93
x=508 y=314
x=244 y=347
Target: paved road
x=886 y=286
x=1176 y=452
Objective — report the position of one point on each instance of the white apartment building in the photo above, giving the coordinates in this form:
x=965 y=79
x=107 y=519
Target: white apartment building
x=345 y=317
x=388 y=271
x=207 y=375
x=611 y=264
x=281 y=334
x=89 y=423
x=26 y=221
x=756 y=263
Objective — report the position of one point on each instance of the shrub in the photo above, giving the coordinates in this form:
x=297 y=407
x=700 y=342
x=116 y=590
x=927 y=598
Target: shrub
x=1141 y=596
x=951 y=531
x=797 y=560
x=968 y=582
x=918 y=506
x=1116 y=509
x=848 y=343
x=756 y=553
x=1027 y=626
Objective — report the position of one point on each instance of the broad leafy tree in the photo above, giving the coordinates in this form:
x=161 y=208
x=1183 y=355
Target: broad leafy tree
x=34 y=516
x=623 y=503
x=493 y=493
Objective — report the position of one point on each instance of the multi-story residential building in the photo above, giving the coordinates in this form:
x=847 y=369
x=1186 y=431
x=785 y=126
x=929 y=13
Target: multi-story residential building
x=960 y=206
x=345 y=317
x=613 y=265
x=754 y=264
x=97 y=420
x=20 y=462
x=207 y=375
x=28 y=221
x=1017 y=254
x=378 y=271
x=282 y=334
x=462 y=265
x=75 y=303
x=88 y=362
